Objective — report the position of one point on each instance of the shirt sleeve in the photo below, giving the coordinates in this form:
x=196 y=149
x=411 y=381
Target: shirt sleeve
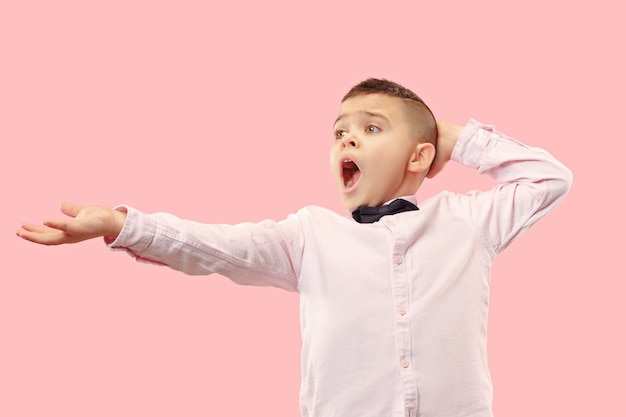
x=531 y=181
x=267 y=253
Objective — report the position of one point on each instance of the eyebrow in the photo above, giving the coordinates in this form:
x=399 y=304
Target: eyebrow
x=367 y=113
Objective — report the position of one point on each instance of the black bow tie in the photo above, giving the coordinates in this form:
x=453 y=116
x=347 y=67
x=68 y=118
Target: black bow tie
x=366 y=214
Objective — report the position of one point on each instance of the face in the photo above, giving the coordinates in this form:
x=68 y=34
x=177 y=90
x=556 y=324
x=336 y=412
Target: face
x=372 y=149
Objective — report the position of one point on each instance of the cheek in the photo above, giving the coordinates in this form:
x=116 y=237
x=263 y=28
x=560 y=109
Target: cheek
x=332 y=152
x=390 y=165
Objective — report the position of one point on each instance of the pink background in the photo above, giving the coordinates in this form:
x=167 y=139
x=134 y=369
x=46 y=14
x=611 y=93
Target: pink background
x=202 y=109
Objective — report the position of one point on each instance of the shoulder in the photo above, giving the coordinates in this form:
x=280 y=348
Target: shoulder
x=448 y=206
x=318 y=214
x=443 y=199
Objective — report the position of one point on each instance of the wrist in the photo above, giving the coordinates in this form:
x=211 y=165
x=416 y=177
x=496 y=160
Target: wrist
x=117 y=223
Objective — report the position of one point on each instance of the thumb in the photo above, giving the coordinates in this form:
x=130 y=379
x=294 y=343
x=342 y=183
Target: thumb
x=70 y=209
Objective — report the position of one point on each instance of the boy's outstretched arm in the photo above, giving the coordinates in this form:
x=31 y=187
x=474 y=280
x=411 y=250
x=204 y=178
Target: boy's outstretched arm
x=87 y=222
x=448 y=134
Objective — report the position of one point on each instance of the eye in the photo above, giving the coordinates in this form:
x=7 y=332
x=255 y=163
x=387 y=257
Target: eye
x=372 y=129
x=340 y=133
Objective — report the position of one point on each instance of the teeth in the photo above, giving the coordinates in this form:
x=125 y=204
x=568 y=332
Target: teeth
x=348 y=183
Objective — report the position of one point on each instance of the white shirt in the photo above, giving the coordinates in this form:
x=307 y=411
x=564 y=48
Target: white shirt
x=393 y=313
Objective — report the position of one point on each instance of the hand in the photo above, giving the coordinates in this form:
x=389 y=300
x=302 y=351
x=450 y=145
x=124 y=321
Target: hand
x=87 y=222
x=446 y=140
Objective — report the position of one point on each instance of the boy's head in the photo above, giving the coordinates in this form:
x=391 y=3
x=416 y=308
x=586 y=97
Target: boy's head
x=385 y=139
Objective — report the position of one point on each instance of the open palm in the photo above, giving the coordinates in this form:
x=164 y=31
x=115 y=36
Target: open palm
x=86 y=222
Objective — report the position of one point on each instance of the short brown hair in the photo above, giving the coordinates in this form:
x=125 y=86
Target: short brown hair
x=425 y=124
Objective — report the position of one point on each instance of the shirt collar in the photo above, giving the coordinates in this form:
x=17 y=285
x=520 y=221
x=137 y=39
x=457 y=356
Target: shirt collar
x=410 y=198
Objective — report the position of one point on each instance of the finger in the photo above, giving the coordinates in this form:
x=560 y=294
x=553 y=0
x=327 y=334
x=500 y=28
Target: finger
x=37 y=228
x=57 y=224
x=27 y=235
x=70 y=209
x=24 y=234
x=52 y=238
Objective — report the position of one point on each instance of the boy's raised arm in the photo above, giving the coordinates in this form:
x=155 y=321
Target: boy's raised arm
x=448 y=134
x=530 y=181
x=87 y=222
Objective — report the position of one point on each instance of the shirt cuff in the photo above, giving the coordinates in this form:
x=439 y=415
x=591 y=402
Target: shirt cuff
x=472 y=143
x=136 y=234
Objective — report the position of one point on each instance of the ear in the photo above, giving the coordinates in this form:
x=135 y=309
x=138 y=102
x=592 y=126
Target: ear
x=421 y=158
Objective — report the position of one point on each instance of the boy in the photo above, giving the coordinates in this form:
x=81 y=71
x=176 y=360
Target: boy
x=394 y=304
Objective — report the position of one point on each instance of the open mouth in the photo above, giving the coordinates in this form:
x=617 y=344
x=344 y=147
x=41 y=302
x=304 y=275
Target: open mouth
x=350 y=173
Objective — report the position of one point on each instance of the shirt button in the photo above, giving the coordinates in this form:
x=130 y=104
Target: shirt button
x=404 y=363
x=398 y=259
x=402 y=311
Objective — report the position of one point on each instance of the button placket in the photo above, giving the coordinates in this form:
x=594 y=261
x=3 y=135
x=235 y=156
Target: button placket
x=400 y=295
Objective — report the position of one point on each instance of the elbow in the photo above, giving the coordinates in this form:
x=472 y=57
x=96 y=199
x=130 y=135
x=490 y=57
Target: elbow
x=558 y=185
x=565 y=181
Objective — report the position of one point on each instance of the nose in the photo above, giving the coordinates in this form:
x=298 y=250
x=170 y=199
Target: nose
x=349 y=141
